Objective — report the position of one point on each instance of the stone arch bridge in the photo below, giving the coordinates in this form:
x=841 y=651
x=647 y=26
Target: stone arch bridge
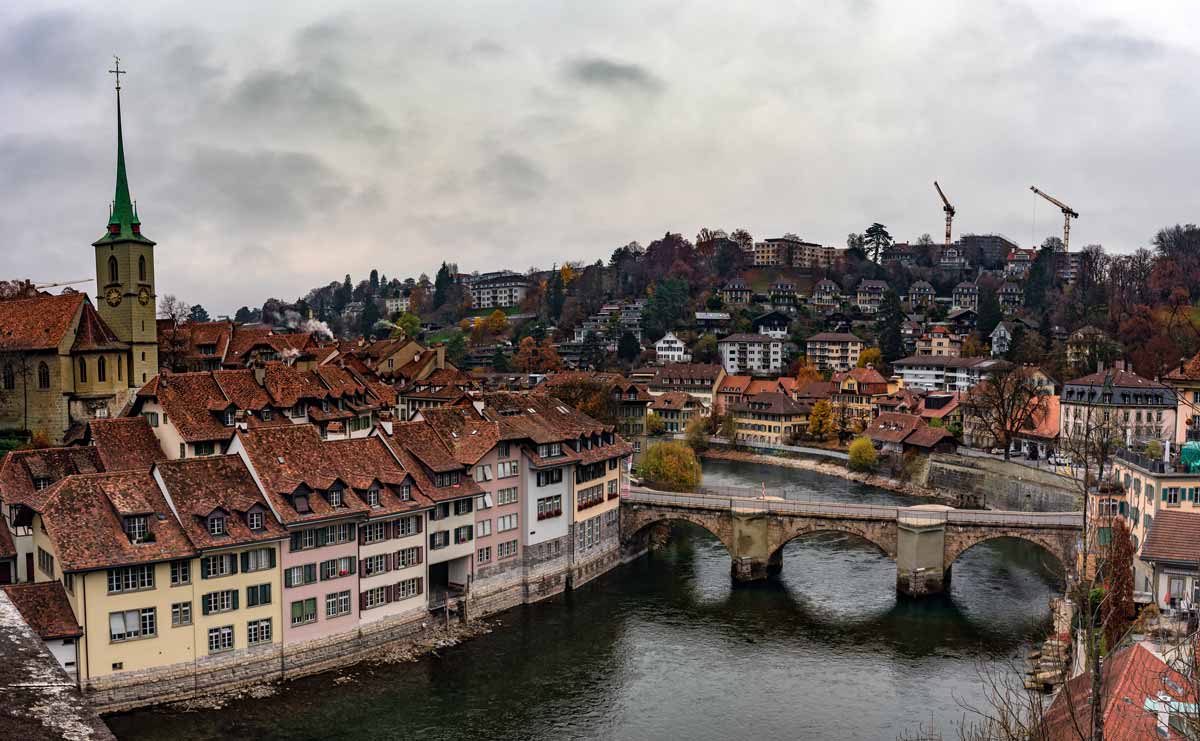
x=924 y=540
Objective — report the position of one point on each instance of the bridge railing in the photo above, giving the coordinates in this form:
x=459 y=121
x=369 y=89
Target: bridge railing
x=724 y=499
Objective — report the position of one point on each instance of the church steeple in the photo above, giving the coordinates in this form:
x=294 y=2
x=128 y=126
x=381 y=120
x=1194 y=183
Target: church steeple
x=123 y=223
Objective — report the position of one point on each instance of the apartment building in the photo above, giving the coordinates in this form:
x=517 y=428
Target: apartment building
x=751 y=353
x=868 y=295
x=833 y=351
x=826 y=295
x=769 y=418
x=228 y=595
x=499 y=291
x=965 y=296
x=675 y=409
x=698 y=379
x=921 y=295
x=125 y=564
x=1153 y=495
x=939 y=341
x=944 y=373
x=857 y=389
x=1139 y=408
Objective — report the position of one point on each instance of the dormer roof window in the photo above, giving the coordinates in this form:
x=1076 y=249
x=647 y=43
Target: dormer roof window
x=216 y=524
x=137 y=528
x=229 y=416
x=373 y=496
x=335 y=497
x=254 y=520
x=300 y=502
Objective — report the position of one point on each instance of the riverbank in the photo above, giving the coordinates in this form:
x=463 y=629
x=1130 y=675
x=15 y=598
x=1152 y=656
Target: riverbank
x=829 y=468
x=408 y=650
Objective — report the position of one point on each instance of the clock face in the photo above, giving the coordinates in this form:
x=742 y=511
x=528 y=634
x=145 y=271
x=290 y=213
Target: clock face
x=144 y=296
x=113 y=296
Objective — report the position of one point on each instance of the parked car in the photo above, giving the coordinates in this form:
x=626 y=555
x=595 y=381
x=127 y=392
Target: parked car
x=997 y=451
x=1059 y=460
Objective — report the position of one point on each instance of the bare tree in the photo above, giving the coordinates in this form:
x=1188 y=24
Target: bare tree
x=1004 y=403
x=172 y=348
x=16 y=374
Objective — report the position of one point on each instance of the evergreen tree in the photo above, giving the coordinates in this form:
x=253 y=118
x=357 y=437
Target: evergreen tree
x=591 y=355
x=890 y=328
x=374 y=282
x=877 y=241
x=1042 y=274
x=555 y=294
x=628 y=348
x=500 y=362
x=198 y=314
x=243 y=315
x=990 y=312
x=369 y=318
x=441 y=285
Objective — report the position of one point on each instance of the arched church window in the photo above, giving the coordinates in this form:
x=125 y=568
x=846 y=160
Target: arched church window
x=43 y=376
x=83 y=370
x=101 y=369
x=114 y=275
x=142 y=268
x=10 y=378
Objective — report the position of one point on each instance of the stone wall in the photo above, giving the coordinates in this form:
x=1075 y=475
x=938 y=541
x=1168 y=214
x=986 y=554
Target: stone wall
x=994 y=484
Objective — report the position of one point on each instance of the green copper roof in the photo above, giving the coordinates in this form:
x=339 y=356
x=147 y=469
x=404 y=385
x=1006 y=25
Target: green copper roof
x=123 y=223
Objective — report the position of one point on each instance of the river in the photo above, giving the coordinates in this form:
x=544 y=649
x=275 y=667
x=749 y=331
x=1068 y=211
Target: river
x=667 y=647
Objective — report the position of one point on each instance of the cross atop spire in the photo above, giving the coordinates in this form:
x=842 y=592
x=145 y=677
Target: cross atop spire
x=123 y=223
x=117 y=71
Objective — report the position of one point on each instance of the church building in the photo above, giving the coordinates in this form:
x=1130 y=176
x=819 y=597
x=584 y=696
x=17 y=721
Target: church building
x=64 y=362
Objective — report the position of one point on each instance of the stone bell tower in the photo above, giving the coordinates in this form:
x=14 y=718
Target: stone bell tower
x=125 y=288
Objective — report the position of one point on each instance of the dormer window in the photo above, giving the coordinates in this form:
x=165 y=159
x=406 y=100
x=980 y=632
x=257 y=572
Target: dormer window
x=229 y=416
x=254 y=520
x=447 y=479
x=216 y=524
x=324 y=405
x=266 y=415
x=406 y=492
x=41 y=483
x=373 y=497
x=136 y=528
x=335 y=498
x=300 y=502
x=298 y=410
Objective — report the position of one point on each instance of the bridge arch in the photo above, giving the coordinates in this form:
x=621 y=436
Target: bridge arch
x=636 y=521
x=1058 y=543
x=880 y=535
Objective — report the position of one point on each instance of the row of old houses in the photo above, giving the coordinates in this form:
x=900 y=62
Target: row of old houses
x=267 y=551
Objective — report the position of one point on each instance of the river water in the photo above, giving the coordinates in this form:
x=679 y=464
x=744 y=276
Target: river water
x=667 y=647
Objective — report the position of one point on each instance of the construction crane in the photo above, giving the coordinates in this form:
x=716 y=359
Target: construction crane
x=948 y=209
x=1068 y=214
x=40 y=286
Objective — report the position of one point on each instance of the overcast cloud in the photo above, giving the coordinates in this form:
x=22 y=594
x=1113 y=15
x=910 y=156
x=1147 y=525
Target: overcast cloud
x=276 y=146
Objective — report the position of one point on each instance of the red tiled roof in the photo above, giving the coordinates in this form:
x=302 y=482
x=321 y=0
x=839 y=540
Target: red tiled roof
x=734 y=384
x=1173 y=537
x=1120 y=378
x=287 y=386
x=37 y=323
x=83 y=517
x=927 y=436
x=125 y=443
x=200 y=486
x=22 y=467
x=468 y=436
x=892 y=427
x=1131 y=677
x=242 y=388
x=672 y=401
x=93 y=334
x=771 y=402
x=287 y=458
x=45 y=607
x=191 y=401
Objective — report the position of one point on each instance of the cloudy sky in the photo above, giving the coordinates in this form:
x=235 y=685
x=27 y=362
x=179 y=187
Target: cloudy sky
x=273 y=146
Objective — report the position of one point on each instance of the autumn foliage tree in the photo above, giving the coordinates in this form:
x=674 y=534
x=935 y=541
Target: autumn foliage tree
x=862 y=455
x=670 y=466
x=820 y=421
x=536 y=357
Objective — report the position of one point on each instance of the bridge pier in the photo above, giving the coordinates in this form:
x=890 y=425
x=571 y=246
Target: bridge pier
x=750 y=568
x=920 y=555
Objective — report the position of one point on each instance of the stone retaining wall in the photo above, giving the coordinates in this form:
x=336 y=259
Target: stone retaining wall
x=994 y=484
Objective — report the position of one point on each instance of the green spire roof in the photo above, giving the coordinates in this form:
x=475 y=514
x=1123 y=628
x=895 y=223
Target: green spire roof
x=123 y=223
